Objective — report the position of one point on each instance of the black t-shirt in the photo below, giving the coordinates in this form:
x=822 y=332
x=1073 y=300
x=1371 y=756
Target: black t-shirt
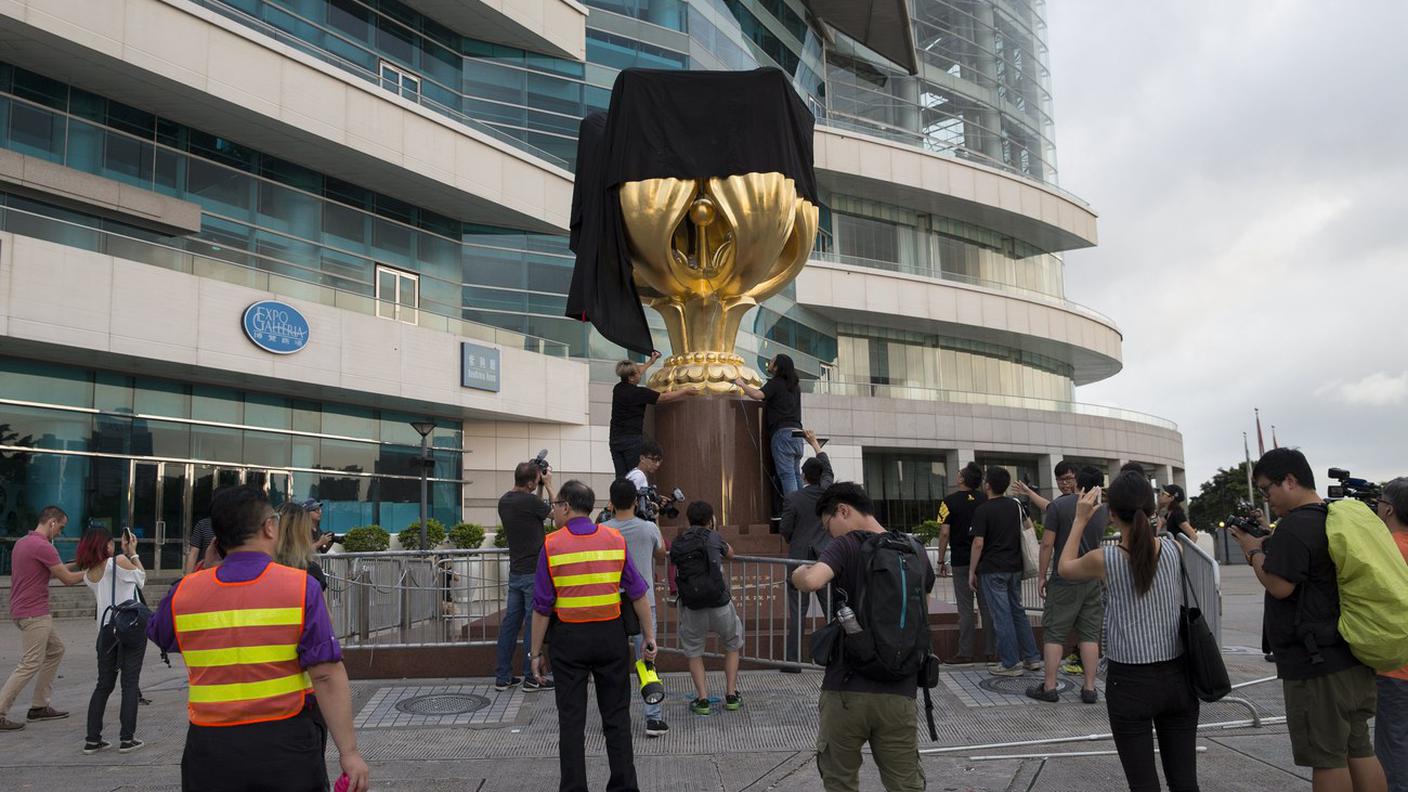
x=782 y=408
x=1174 y=521
x=1061 y=518
x=315 y=570
x=843 y=556
x=628 y=403
x=999 y=522
x=956 y=511
x=522 y=514
x=1299 y=552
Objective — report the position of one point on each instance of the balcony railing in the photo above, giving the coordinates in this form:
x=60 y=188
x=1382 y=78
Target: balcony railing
x=888 y=390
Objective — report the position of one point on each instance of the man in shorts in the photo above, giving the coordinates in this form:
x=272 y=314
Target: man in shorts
x=1070 y=604
x=711 y=609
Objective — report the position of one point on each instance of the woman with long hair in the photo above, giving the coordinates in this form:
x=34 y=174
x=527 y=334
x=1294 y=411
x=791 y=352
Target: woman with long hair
x=295 y=546
x=113 y=581
x=782 y=413
x=1147 y=685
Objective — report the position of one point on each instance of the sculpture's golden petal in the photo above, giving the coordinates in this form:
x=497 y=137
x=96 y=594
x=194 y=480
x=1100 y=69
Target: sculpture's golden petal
x=761 y=208
x=651 y=210
x=794 y=254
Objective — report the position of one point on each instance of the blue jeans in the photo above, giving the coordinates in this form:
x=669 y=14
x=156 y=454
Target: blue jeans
x=654 y=711
x=787 y=460
x=517 y=615
x=1391 y=731
x=1003 y=591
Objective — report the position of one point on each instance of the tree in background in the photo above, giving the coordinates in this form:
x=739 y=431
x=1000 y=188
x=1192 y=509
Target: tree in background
x=1220 y=496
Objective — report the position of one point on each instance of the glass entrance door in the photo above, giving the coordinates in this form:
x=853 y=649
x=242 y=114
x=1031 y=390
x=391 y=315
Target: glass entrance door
x=156 y=511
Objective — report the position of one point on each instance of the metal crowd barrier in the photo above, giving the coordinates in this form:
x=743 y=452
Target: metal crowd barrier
x=459 y=597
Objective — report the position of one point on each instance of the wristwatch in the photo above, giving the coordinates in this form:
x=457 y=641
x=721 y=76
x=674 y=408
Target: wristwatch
x=1253 y=553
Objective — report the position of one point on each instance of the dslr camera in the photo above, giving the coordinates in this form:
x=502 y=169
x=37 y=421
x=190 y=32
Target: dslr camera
x=1244 y=519
x=1356 y=488
x=541 y=461
x=651 y=505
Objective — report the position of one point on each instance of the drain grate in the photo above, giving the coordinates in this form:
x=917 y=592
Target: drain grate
x=442 y=704
x=475 y=706
x=1010 y=686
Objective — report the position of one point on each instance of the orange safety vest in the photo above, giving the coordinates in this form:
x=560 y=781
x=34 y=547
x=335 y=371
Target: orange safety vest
x=586 y=571
x=240 y=644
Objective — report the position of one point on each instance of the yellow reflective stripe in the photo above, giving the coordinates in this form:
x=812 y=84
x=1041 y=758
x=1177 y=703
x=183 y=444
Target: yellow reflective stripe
x=587 y=579
x=251 y=617
x=240 y=655
x=588 y=602
x=586 y=555
x=245 y=691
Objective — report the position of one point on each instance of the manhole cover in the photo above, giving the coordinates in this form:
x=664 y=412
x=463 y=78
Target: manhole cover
x=1017 y=686
x=440 y=704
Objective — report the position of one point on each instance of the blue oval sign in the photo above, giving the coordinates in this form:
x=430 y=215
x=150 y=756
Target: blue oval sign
x=276 y=327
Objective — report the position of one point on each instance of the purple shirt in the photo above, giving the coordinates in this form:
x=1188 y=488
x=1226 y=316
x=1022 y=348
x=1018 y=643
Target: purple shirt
x=316 y=645
x=29 y=576
x=545 y=593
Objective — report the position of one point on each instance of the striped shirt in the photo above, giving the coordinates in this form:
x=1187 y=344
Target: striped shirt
x=1142 y=629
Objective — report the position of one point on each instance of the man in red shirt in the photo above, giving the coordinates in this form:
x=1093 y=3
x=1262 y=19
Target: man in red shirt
x=34 y=561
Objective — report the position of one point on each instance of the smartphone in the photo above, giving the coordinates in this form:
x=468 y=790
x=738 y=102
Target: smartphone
x=127 y=532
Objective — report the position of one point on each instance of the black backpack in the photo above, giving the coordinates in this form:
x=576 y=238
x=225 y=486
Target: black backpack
x=892 y=608
x=127 y=622
x=700 y=583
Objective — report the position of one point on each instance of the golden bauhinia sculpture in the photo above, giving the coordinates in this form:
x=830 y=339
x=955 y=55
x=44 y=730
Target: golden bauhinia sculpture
x=705 y=252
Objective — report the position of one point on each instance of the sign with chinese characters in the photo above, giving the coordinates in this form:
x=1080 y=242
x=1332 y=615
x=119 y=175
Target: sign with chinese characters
x=276 y=327
x=479 y=366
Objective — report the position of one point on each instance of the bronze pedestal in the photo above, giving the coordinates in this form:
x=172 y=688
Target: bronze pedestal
x=715 y=451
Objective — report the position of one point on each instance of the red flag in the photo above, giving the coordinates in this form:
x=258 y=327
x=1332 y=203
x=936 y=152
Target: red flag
x=1260 y=444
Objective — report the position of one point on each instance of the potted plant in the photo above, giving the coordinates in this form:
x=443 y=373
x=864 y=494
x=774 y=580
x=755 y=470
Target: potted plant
x=471 y=570
x=434 y=535
x=926 y=532
x=367 y=539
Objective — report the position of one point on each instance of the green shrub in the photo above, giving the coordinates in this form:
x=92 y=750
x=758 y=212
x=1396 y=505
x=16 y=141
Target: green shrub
x=467 y=536
x=927 y=531
x=367 y=539
x=500 y=537
x=434 y=535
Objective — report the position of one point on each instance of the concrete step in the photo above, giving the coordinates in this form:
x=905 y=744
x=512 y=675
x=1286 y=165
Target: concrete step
x=76 y=602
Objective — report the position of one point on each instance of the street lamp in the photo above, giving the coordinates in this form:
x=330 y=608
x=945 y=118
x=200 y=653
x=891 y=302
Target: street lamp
x=426 y=463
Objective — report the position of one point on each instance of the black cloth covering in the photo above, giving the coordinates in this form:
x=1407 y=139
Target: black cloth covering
x=681 y=124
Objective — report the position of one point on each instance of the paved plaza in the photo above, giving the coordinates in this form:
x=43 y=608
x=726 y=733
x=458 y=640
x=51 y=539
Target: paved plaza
x=459 y=734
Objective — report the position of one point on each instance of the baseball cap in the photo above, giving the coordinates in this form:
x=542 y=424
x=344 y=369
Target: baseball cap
x=311 y=504
x=1175 y=491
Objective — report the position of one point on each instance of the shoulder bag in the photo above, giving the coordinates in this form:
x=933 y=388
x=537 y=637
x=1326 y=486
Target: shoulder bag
x=1207 y=673
x=127 y=622
x=1031 y=548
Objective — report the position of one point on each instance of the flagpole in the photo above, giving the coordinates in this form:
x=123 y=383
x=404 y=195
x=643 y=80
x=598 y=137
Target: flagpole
x=1251 y=489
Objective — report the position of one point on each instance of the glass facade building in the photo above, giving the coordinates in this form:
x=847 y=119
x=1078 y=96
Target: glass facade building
x=119 y=448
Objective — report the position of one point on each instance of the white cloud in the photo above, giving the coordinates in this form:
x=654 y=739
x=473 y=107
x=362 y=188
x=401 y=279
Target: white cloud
x=1250 y=218
x=1379 y=389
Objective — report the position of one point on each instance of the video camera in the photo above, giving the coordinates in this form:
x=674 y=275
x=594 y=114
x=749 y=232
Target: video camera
x=651 y=505
x=541 y=461
x=1244 y=519
x=1357 y=488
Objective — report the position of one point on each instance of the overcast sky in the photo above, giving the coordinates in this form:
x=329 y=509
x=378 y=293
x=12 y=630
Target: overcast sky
x=1249 y=164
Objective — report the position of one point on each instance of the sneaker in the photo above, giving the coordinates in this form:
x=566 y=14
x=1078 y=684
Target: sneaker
x=1005 y=671
x=143 y=700
x=1088 y=696
x=673 y=599
x=44 y=714
x=656 y=728
x=733 y=702
x=1040 y=693
x=699 y=706
x=532 y=684
x=8 y=725
x=1032 y=665
x=94 y=747
x=128 y=746
x=512 y=683
x=1072 y=665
